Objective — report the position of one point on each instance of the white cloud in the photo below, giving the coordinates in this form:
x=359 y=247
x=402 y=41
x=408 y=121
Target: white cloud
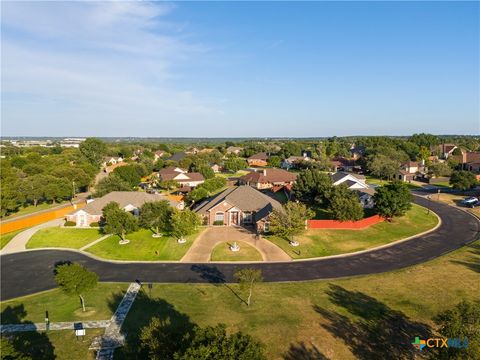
x=71 y=66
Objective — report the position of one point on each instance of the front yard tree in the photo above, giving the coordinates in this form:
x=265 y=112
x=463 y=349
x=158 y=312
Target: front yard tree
x=440 y=169
x=463 y=180
x=206 y=171
x=235 y=164
x=393 y=199
x=463 y=321
x=344 y=204
x=74 y=279
x=290 y=219
x=274 y=161
x=382 y=166
x=117 y=221
x=247 y=278
x=184 y=222
x=129 y=174
x=94 y=150
x=313 y=186
x=156 y=216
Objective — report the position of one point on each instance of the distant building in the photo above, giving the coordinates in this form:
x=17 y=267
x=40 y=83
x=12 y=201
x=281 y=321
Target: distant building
x=268 y=178
x=180 y=176
x=260 y=159
x=72 y=142
x=234 y=150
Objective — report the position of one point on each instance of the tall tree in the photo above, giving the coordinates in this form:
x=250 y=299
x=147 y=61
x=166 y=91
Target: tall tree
x=344 y=204
x=129 y=174
x=382 y=166
x=109 y=184
x=463 y=180
x=156 y=215
x=313 y=186
x=94 y=150
x=462 y=322
x=248 y=277
x=393 y=199
x=74 y=279
x=117 y=221
x=184 y=222
x=290 y=219
x=234 y=164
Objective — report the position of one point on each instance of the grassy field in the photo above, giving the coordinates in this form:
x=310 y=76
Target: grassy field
x=368 y=317
x=222 y=252
x=5 y=238
x=320 y=242
x=63 y=237
x=142 y=246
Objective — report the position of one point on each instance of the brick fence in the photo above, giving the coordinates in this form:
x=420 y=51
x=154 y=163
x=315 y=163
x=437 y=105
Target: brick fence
x=352 y=225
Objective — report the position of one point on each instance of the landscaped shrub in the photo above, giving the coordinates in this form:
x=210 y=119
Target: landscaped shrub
x=94 y=224
x=218 y=222
x=70 y=223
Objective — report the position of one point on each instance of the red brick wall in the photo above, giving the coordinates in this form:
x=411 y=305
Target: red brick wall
x=353 y=225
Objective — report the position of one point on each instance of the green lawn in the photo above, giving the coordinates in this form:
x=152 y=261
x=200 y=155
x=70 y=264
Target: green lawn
x=375 y=181
x=229 y=175
x=339 y=319
x=63 y=237
x=222 y=252
x=5 y=238
x=32 y=209
x=319 y=242
x=142 y=246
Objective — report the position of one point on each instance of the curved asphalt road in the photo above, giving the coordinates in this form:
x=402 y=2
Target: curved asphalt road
x=32 y=271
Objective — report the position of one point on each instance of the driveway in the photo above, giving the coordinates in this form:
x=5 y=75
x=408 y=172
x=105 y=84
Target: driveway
x=29 y=272
x=202 y=248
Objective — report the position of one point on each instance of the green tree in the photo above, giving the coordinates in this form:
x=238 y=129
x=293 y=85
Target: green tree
x=156 y=215
x=32 y=188
x=290 y=219
x=382 y=166
x=274 y=161
x=463 y=321
x=184 y=222
x=206 y=171
x=56 y=189
x=463 y=180
x=248 y=277
x=393 y=199
x=440 y=169
x=117 y=221
x=94 y=150
x=74 y=279
x=131 y=174
x=109 y=184
x=313 y=186
x=213 y=342
x=344 y=204
x=197 y=195
x=235 y=164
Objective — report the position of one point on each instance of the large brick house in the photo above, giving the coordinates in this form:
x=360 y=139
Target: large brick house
x=260 y=159
x=237 y=206
x=130 y=201
x=268 y=178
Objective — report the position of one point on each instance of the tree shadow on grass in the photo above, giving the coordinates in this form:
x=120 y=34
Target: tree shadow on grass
x=473 y=263
x=176 y=326
x=301 y=351
x=379 y=333
x=214 y=276
x=29 y=344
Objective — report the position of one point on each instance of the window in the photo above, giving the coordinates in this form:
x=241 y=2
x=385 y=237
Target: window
x=247 y=218
x=219 y=216
x=266 y=227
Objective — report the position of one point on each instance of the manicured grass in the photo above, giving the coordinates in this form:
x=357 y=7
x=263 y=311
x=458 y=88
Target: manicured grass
x=222 y=252
x=142 y=246
x=32 y=209
x=375 y=181
x=58 y=344
x=454 y=200
x=63 y=237
x=320 y=242
x=343 y=319
x=101 y=303
x=229 y=175
x=5 y=238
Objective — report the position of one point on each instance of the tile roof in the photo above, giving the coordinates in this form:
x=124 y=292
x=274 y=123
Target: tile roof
x=270 y=175
x=242 y=197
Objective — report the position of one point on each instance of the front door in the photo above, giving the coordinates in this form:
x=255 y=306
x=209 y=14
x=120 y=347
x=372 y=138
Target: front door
x=234 y=218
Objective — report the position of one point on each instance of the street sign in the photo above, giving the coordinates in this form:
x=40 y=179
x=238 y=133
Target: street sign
x=80 y=332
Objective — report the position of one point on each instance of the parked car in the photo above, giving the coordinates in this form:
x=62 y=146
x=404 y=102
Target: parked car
x=470 y=202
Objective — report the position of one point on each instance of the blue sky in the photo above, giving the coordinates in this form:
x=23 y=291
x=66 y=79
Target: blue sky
x=234 y=69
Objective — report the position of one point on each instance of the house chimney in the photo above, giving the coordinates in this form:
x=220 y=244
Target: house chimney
x=264 y=172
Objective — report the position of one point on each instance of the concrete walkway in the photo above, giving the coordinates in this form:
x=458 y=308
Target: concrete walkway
x=94 y=242
x=53 y=326
x=202 y=248
x=19 y=242
x=113 y=338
